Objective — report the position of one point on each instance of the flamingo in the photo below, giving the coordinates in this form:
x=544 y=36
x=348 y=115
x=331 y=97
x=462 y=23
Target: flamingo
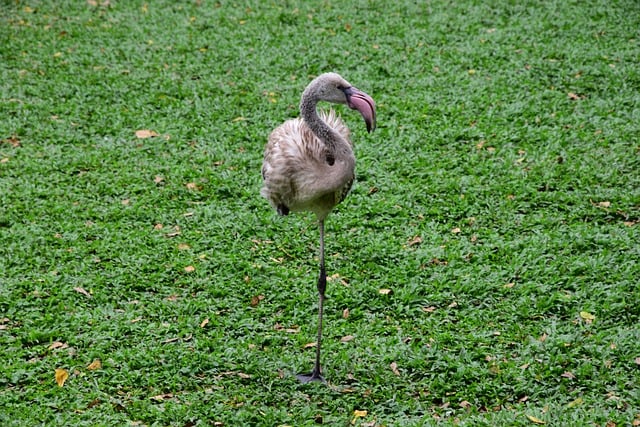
x=309 y=166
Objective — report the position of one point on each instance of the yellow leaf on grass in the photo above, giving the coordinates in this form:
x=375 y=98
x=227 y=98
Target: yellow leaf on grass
x=358 y=414
x=95 y=365
x=204 y=323
x=576 y=402
x=61 y=376
x=385 y=291
x=588 y=317
x=535 y=420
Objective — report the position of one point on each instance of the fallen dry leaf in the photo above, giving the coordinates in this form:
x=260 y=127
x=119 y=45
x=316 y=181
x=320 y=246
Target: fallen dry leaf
x=465 y=404
x=569 y=375
x=82 y=291
x=173 y=233
x=456 y=230
x=204 y=323
x=347 y=338
x=573 y=96
x=161 y=397
x=61 y=376
x=415 y=241
x=93 y=403
x=385 y=291
x=56 y=345
x=158 y=179
x=96 y=364
x=394 y=368
x=309 y=345
x=183 y=247
x=12 y=140
x=255 y=300
x=345 y=313
x=437 y=261
x=145 y=133
x=189 y=269
x=535 y=420
x=429 y=309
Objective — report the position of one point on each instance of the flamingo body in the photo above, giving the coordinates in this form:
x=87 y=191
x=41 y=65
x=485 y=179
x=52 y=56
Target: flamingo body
x=296 y=161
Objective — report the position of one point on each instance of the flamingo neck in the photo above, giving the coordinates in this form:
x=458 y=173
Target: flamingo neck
x=335 y=143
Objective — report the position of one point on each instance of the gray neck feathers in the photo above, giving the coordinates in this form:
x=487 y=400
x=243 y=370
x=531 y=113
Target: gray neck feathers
x=308 y=110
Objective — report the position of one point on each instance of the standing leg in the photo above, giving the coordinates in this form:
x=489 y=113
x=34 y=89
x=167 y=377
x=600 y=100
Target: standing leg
x=316 y=374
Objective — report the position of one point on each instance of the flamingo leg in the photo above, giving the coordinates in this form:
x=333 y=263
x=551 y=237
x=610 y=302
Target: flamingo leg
x=316 y=374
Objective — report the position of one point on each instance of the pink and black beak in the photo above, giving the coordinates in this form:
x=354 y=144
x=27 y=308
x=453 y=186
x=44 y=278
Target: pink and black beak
x=358 y=100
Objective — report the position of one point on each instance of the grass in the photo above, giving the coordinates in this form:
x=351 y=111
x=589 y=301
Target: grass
x=499 y=201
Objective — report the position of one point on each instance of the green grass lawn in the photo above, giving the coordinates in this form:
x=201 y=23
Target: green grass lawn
x=498 y=201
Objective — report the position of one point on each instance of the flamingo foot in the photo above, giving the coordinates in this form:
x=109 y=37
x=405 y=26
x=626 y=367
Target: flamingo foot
x=310 y=378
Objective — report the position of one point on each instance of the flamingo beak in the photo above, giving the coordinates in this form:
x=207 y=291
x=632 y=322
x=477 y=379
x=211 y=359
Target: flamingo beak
x=358 y=100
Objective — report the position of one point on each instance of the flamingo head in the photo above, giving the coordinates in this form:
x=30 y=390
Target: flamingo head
x=331 y=87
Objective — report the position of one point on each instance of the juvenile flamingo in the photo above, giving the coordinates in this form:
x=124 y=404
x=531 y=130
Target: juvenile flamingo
x=309 y=166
